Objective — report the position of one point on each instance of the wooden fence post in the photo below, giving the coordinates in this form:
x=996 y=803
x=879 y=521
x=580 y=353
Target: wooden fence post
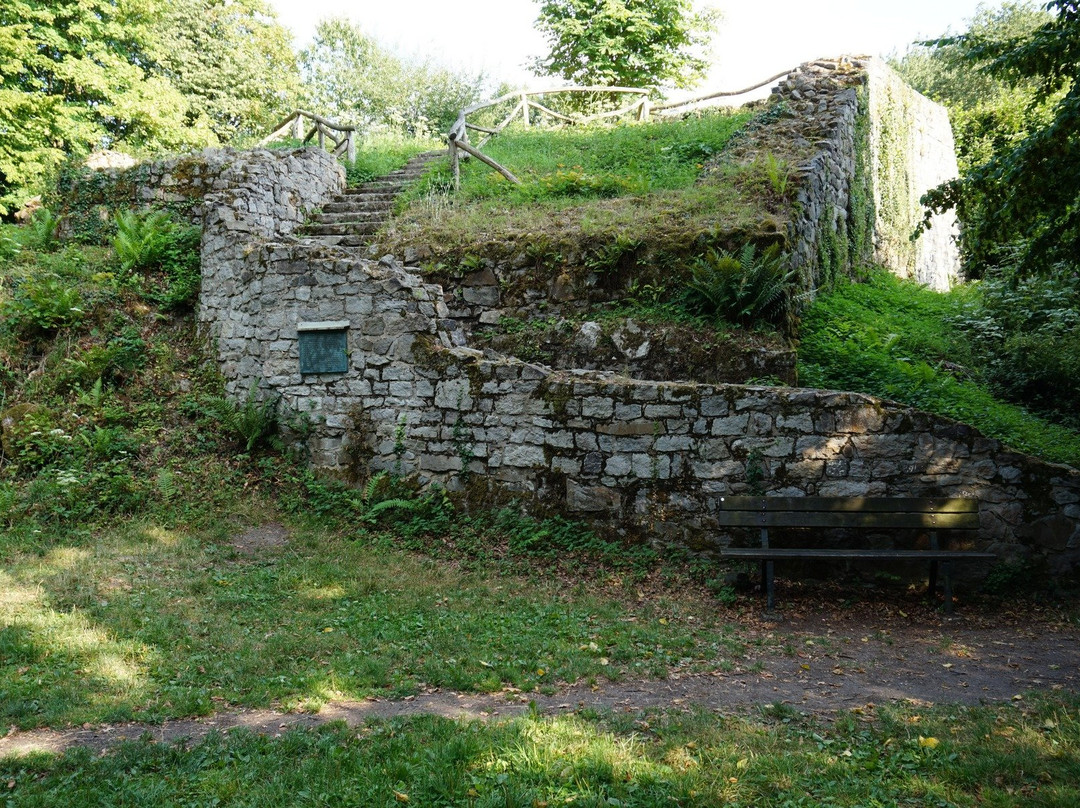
x=298 y=127
x=525 y=109
x=351 y=148
x=454 y=165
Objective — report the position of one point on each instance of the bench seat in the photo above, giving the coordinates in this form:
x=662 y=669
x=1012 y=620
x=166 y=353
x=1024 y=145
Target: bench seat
x=927 y=515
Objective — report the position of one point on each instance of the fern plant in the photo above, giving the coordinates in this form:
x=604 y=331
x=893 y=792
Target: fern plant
x=744 y=288
x=142 y=239
x=43 y=230
x=253 y=423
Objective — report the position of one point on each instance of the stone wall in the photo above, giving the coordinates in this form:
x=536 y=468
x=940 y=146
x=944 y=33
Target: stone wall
x=271 y=190
x=911 y=151
x=646 y=459
x=878 y=147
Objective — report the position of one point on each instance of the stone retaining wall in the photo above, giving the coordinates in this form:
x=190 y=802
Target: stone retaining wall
x=646 y=459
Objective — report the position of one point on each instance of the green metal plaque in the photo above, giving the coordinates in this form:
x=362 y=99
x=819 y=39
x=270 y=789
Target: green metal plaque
x=323 y=348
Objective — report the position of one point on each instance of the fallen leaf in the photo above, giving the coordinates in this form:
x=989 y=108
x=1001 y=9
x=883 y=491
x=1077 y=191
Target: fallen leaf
x=400 y=797
x=928 y=743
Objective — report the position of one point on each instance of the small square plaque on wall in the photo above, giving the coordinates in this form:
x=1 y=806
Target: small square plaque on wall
x=323 y=346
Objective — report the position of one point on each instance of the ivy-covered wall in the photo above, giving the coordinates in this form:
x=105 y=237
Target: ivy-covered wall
x=877 y=147
x=911 y=151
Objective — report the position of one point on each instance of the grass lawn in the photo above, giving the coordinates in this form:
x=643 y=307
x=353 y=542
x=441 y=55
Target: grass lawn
x=146 y=622
x=907 y=756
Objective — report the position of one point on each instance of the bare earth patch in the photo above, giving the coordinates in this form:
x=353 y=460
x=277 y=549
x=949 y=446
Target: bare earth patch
x=832 y=662
x=263 y=537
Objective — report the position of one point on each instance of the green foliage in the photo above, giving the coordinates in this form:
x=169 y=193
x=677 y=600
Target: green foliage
x=381 y=154
x=350 y=78
x=138 y=75
x=628 y=43
x=1023 y=201
x=598 y=161
x=897 y=340
x=778 y=757
x=153 y=241
x=252 y=422
x=42 y=230
x=1025 y=334
x=744 y=288
x=39 y=305
x=231 y=60
x=141 y=238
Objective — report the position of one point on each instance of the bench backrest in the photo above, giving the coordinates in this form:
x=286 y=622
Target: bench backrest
x=867 y=512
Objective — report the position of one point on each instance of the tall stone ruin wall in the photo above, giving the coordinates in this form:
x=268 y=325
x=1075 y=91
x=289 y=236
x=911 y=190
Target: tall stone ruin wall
x=876 y=146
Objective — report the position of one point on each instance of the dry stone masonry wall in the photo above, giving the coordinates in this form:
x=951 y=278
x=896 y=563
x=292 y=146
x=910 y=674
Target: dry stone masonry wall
x=648 y=459
x=876 y=147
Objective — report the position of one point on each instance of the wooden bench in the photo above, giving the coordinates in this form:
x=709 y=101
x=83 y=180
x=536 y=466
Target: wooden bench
x=867 y=513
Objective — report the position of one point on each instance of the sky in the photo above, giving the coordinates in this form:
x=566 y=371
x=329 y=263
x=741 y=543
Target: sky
x=755 y=39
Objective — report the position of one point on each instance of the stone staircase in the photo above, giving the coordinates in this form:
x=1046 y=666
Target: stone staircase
x=352 y=217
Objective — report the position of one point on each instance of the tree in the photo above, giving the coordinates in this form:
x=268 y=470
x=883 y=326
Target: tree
x=627 y=43
x=1023 y=203
x=73 y=77
x=231 y=60
x=987 y=112
x=350 y=77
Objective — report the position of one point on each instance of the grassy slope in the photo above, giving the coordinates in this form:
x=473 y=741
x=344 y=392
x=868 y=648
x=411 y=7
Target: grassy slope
x=893 y=339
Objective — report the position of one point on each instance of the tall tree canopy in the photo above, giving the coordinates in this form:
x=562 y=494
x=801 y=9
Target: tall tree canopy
x=142 y=75
x=232 y=61
x=350 y=77
x=628 y=43
x=1023 y=202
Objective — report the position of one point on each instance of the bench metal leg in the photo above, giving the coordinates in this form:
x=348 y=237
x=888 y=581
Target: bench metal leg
x=770 y=592
x=946 y=569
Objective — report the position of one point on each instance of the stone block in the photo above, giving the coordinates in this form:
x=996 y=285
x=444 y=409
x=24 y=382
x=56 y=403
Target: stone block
x=591 y=499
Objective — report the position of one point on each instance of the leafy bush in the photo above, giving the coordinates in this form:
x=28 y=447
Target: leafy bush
x=253 y=423
x=895 y=339
x=1025 y=333
x=39 y=305
x=153 y=241
x=742 y=289
x=42 y=230
x=142 y=238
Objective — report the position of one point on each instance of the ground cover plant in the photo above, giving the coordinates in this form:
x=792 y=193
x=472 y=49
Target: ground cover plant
x=905 y=755
x=897 y=340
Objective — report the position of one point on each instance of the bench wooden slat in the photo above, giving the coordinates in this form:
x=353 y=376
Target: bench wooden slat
x=852 y=504
x=916 y=555
x=934 y=521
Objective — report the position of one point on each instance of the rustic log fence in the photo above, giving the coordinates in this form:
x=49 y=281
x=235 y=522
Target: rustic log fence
x=458 y=137
x=342 y=138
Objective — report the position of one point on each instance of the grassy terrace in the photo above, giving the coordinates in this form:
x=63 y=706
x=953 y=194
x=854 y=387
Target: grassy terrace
x=649 y=180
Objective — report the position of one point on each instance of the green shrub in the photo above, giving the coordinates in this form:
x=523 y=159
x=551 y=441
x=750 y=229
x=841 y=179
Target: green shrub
x=142 y=238
x=42 y=230
x=40 y=305
x=153 y=242
x=253 y=423
x=897 y=340
x=742 y=289
x=1025 y=333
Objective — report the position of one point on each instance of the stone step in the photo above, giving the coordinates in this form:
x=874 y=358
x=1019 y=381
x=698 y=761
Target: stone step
x=343 y=229
x=348 y=216
x=367 y=194
x=358 y=207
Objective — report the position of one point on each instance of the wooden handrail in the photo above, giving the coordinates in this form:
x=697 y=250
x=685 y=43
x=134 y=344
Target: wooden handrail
x=323 y=128
x=458 y=136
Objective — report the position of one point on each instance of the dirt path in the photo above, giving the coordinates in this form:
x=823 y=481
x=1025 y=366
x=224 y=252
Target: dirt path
x=831 y=662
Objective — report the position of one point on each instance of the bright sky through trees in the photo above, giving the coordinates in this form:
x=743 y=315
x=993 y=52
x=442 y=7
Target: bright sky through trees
x=755 y=39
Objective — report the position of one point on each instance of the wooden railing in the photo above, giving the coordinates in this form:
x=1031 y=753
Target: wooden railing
x=342 y=138
x=458 y=136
